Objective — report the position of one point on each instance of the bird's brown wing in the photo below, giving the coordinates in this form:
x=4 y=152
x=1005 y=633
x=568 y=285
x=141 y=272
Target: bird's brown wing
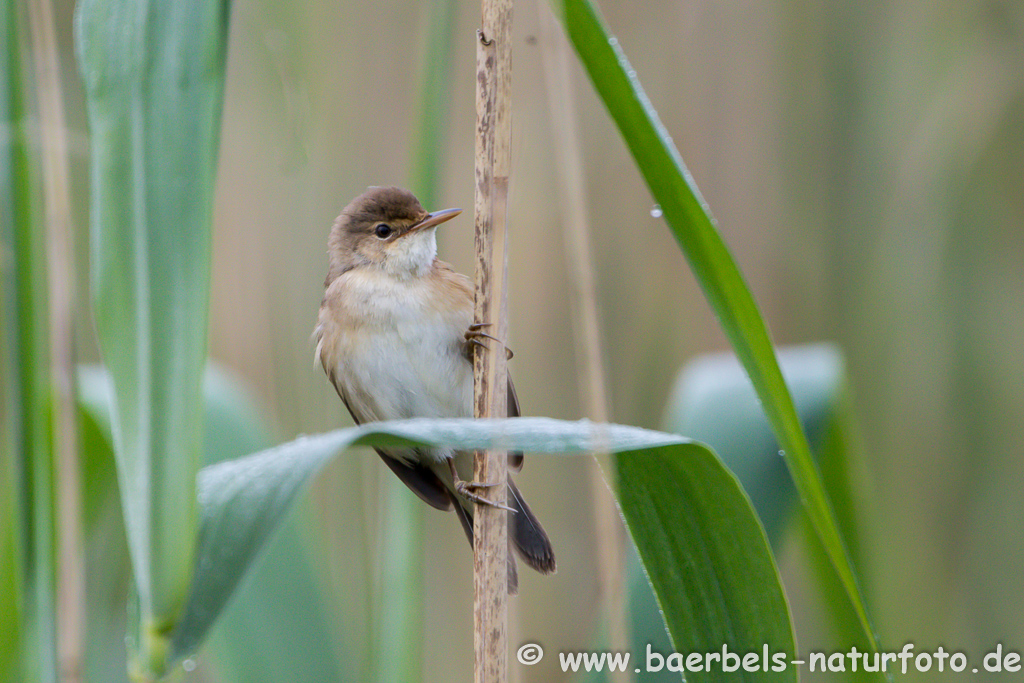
x=515 y=458
x=420 y=480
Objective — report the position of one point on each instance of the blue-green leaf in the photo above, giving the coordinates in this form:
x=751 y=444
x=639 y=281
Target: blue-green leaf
x=154 y=80
x=242 y=502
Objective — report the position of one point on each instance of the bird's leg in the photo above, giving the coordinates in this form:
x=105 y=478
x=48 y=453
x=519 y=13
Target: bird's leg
x=475 y=336
x=466 y=488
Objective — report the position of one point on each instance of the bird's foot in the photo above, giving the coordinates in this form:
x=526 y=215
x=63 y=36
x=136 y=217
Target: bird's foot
x=475 y=335
x=472 y=489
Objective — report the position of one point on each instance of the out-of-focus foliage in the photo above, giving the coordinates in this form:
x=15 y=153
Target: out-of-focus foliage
x=28 y=565
x=713 y=401
x=865 y=163
x=277 y=610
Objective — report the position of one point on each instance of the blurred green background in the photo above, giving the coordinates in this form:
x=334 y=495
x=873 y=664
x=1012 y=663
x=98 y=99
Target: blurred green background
x=865 y=162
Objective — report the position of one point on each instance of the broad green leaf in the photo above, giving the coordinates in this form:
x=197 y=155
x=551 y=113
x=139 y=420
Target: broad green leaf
x=154 y=80
x=714 y=402
x=242 y=502
x=709 y=563
x=688 y=217
x=25 y=406
x=646 y=620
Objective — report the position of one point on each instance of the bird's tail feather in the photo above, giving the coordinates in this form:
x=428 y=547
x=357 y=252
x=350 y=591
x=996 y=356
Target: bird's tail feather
x=525 y=534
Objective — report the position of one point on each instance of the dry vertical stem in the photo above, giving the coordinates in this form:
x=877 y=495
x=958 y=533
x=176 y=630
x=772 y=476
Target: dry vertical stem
x=493 y=138
x=57 y=216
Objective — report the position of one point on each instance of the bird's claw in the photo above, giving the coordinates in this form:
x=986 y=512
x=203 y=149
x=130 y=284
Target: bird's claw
x=474 y=334
x=469 y=489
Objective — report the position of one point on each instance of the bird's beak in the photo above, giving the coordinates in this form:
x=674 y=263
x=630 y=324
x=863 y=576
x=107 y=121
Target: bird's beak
x=434 y=219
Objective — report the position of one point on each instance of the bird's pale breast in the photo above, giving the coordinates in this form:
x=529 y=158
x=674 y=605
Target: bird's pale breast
x=393 y=347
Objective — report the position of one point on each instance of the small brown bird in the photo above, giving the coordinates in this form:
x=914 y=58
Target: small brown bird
x=395 y=336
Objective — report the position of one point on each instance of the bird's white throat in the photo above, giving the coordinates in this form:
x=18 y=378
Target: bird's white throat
x=411 y=255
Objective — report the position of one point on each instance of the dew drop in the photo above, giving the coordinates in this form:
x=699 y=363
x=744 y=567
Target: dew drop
x=782 y=454
x=656 y=211
x=613 y=41
x=189 y=664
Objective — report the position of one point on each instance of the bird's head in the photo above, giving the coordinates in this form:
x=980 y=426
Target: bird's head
x=385 y=228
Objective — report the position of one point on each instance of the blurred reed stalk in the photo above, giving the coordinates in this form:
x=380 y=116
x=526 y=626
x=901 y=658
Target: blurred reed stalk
x=70 y=588
x=586 y=320
x=490 y=378
x=398 y=619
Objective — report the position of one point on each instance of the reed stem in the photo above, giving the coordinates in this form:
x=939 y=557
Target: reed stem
x=493 y=160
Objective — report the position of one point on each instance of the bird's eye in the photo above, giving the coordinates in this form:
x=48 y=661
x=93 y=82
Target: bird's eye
x=382 y=230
